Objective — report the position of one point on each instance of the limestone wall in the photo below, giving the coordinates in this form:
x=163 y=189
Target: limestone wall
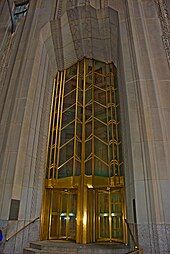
x=129 y=33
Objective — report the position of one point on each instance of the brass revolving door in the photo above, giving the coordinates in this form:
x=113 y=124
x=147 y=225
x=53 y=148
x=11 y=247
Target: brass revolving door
x=109 y=215
x=63 y=215
x=84 y=186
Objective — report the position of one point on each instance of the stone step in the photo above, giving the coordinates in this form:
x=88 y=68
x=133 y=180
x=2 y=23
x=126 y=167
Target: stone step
x=62 y=247
x=36 y=251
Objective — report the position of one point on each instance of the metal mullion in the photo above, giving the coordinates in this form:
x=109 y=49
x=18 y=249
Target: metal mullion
x=117 y=137
x=89 y=87
x=101 y=160
x=61 y=210
x=50 y=219
x=76 y=115
x=67 y=214
x=100 y=103
x=100 y=120
x=70 y=78
x=78 y=120
x=101 y=140
x=113 y=121
x=83 y=121
x=68 y=108
x=59 y=76
x=98 y=204
x=60 y=119
x=69 y=93
x=90 y=72
x=55 y=144
x=93 y=163
x=110 y=218
x=107 y=114
x=99 y=88
x=82 y=203
x=88 y=103
x=67 y=124
x=100 y=74
x=88 y=120
x=65 y=162
x=113 y=153
x=88 y=158
x=77 y=159
x=78 y=139
x=79 y=88
x=66 y=143
x=88 y=138
x=52 y=122
x=81 y=105
x=49 y=130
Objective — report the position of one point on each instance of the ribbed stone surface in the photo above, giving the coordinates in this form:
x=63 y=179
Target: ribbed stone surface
x=72 y=248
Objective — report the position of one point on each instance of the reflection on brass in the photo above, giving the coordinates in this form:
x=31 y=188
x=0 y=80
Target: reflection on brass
x=84 y=185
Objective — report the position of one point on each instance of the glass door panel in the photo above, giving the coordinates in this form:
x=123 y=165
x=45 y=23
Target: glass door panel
x=71 y=213
x=54 y=215
x=103 y=209
x=116 y=215
x=63 y=215
x=110 y=223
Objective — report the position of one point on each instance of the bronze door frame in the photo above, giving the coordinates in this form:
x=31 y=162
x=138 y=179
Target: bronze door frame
x=115 y=222
x=62 y=196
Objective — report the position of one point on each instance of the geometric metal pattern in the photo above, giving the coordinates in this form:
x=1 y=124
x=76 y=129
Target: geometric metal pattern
x=84 y=128
x=84 y=187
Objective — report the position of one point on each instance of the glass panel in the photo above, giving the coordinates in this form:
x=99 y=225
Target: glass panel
x=72 y=216
x=78 y=149
x=101 y=150
x=70 y=92
x=100 y=96
x=116 y=215
x=68 y=117
x=88 y=167
x=71 y=72
x=103 y=203
x=78 y=109
x=89 y=80
x=79 y=113
x=67 y=133
x=100 y=130
x=100 y=112
x=77 y=168
x=88 y=97
x=88 y=129
x=79 y=130
x=66 y=170
x=63 y=215
x=100 y=169
x=66 y=152
x=54 y=226
x=88 y=148
x=88 y=112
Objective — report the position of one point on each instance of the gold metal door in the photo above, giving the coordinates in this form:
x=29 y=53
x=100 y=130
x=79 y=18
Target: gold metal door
x=84 y=153
x=63 y=215
x=110 y=215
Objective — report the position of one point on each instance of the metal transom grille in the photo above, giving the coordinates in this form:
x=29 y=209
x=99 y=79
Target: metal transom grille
x=84 y=128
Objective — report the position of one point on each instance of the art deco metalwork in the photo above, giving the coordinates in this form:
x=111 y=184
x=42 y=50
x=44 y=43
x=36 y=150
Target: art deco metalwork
x=84 y=197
